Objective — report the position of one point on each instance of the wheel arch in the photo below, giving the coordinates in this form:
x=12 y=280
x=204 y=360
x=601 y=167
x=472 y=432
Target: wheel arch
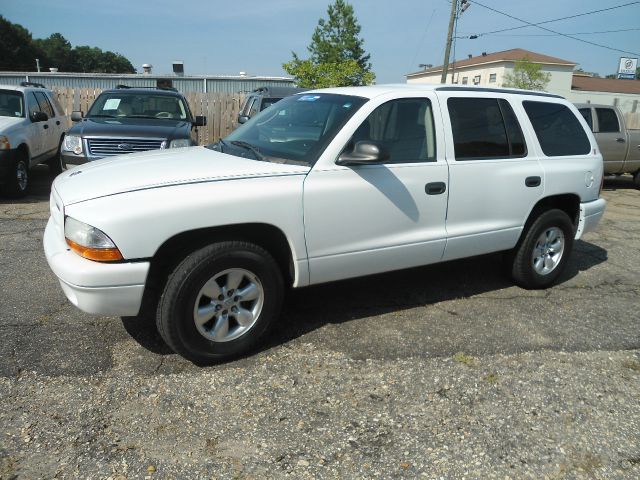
x=567 y=202
x=176 y=248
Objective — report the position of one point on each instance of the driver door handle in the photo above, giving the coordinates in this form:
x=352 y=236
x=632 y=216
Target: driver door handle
x=45 y=126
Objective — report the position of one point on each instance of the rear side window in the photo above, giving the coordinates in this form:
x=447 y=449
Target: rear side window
x=557 y=128
x=607 y=120
x=485 y=128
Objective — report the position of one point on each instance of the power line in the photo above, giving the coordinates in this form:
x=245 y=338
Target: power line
x=555 y=19
x=554 y=32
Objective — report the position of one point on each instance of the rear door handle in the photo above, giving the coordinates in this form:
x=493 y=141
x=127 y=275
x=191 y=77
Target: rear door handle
x=533 y=181
x=45 y=126
x=620 y=140
x=435 y=188
x=57 y=122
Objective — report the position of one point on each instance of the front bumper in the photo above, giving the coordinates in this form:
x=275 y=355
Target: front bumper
x=94 y=287
x=590 y=215
x=70 y=159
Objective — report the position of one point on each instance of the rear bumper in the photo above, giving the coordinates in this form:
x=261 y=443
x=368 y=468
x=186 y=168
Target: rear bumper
x=94 y=287
x=590 y=215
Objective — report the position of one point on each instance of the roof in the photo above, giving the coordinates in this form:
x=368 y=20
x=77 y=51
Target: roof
x=512 y=55
x=171 y=92
x=21 y=88
x=613 y=85
x=372 y=91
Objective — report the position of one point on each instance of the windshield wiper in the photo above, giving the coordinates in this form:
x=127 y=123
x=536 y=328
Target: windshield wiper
x=248 y=146
x=101 y=115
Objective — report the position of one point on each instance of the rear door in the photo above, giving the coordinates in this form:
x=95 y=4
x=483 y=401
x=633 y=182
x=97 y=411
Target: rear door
x=49 y=126
x=495 y=178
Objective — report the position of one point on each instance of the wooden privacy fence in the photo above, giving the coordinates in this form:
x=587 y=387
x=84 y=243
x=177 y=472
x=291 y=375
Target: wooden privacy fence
x=221 y=109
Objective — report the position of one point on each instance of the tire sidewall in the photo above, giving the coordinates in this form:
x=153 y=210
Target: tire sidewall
x=523 y=269
x=177 y=303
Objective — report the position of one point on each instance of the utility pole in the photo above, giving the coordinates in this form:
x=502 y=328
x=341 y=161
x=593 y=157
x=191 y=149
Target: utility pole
x=447 y=50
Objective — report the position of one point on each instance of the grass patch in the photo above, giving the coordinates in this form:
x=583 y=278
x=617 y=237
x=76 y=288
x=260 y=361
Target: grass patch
x=465 y=359
x=491 y=378
x=632 y=364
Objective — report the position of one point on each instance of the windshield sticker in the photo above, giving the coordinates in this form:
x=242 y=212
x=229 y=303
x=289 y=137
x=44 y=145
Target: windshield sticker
x=347 y=105
x=111 y=104
x=308 y=98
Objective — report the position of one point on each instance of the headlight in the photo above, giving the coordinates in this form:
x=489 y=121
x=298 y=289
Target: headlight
x=72 y=143
x=4 y=143
x=183 y=142
x=89 y=242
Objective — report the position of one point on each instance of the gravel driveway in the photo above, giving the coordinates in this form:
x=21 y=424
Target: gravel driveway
x=446 y=371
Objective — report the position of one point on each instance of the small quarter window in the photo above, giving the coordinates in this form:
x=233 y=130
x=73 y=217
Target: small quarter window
x=607 y=120
x=557 y=128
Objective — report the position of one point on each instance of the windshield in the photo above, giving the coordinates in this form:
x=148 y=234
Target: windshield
x=138 y=105
x=11 y=104
x=295 y=129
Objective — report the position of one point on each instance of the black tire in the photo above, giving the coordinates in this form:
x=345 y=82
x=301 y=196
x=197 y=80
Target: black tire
x=55 y=164
x=523 y=271
x=636 y=178
x=175 y=314
x=17 y=184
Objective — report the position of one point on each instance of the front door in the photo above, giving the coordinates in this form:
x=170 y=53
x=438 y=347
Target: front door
x=365 y=219
x=611 y=140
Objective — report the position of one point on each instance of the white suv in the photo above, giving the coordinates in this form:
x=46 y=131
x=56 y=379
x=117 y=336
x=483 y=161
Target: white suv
x=324 y=185
x=32 y=125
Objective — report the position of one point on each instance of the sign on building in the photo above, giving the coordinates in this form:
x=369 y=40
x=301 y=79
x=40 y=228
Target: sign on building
x=627 y=68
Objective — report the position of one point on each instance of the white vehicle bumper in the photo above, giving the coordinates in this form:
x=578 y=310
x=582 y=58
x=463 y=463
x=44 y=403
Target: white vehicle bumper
x=94 y=287
x=590 y=215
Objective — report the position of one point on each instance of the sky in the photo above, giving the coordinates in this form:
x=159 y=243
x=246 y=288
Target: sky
x=222 y=37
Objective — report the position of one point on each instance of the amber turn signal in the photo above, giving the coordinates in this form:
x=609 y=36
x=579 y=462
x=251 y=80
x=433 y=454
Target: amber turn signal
x=96 y=254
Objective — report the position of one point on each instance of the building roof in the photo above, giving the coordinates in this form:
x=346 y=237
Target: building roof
x=613 y=85
x=512 y=55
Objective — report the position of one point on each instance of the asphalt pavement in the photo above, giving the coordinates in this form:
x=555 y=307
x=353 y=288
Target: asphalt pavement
x=447 y=371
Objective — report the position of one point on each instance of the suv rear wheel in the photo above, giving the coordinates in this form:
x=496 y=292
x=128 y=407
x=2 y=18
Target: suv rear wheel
x=541 y=255
x=219 y=301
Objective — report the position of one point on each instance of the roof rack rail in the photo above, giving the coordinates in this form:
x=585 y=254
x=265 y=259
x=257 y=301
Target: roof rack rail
x=32 y=84
x=172 y=89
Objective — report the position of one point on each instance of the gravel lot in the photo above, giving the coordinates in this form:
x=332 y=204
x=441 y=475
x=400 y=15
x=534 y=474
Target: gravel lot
x=447 y=371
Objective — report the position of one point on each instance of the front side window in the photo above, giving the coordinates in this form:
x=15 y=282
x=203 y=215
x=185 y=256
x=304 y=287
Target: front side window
x=557 y=128
x=297 y=129
x=267 y=102
x=607 y=120
x=138 y=105
x=586 y=114
x=33 y=103
x=485 y=128
x=11 y=104
x=45 y=106
x=403 y=127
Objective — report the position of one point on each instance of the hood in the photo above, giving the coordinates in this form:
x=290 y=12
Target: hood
x=131 y=127
x=161 y=168
x=8 y=122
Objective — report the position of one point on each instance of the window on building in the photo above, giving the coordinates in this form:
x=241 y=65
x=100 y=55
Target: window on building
x=492 y=78
x=557 y=128
x=476 y=80
x=465 y=80
x=485 y=128
x=607 y=120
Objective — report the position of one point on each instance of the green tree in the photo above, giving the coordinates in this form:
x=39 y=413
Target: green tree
x=527 y=75
x=337 y=56
x=92 y=59
x=57 y=50
x=17 y=50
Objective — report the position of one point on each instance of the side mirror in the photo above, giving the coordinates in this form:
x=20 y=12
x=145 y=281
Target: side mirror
x=243 y=118
x=76 y=116
x=200 y=121
x=38 y=117
x=364 y=153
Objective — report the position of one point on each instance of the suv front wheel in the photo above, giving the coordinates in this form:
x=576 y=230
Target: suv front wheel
x=541 y=255
x=219 y=301
x=18 y=180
